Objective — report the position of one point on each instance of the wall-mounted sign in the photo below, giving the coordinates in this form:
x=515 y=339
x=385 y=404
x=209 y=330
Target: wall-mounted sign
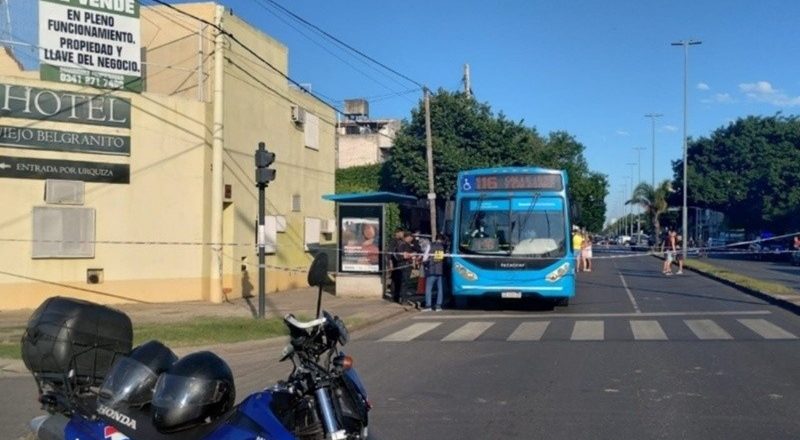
x=57 y=140
x=30 y=168
x=91 y=42
x=62 y=106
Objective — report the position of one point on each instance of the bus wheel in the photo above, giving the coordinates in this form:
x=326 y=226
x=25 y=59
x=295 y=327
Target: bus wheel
x=461 y=302
x=562 y=302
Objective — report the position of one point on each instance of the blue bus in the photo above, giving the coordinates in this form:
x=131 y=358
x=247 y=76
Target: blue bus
x=511 y=236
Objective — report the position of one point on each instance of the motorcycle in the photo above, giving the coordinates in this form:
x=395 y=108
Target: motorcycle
x=95 y=387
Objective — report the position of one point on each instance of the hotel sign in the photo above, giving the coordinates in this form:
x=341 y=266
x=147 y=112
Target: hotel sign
x=62 y=106
x=30 y=168
x=57 y=140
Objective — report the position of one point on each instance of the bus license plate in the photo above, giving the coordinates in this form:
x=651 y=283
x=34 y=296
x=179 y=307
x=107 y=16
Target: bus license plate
x=514 y=295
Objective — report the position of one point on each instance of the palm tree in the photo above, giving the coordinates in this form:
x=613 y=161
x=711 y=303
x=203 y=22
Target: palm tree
x=653 y=201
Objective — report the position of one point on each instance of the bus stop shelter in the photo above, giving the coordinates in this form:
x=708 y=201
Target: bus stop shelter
x=362 y=247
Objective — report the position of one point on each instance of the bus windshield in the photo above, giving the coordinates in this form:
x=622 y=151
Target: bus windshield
x=516 y=226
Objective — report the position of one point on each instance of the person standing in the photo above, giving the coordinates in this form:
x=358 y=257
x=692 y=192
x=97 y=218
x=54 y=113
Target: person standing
x=679 y=254
x=396 y=260
x=434 y=271
x=669 y=252
x=406 y=251
x=577 y=248
x=587 y=252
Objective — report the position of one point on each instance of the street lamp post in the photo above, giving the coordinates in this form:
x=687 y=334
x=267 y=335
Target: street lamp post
x=639 y=165
x=631 y=164
x=684 y=216
x=653 y=117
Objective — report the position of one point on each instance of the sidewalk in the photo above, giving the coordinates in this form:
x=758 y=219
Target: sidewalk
x=363 y=312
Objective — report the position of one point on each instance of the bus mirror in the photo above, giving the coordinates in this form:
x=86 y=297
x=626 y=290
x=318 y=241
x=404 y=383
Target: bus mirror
x=575 y=212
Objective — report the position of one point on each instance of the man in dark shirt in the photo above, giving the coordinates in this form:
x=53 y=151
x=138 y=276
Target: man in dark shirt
x=407 y=255
x=396 y=260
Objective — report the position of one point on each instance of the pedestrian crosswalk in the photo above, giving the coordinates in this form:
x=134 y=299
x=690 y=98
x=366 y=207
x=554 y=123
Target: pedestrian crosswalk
x=594 y=330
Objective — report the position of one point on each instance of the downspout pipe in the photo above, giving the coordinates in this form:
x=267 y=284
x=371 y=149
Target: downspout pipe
x=215 y=291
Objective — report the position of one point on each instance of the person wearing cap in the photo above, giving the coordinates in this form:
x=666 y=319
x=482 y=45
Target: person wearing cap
x=577 y=248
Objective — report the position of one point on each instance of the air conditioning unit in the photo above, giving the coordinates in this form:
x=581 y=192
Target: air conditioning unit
x=298 y=114
x=63 y=192
x=328 y=226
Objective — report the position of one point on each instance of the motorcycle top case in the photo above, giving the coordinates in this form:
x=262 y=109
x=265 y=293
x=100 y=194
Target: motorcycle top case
x=66 y=334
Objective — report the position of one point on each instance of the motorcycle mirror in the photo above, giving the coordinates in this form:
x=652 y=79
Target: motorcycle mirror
x=318 y=272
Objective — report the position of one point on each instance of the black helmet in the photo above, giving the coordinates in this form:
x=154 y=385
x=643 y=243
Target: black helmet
x=195 y=390
x=132 y=379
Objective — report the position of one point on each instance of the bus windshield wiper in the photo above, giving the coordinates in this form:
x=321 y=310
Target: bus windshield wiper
x=524 y=221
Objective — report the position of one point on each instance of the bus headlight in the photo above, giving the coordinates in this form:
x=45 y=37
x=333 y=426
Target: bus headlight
x=466 y=273
x=558 y=273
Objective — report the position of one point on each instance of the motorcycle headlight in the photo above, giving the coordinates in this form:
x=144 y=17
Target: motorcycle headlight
x=558 y=273
x=465 y=273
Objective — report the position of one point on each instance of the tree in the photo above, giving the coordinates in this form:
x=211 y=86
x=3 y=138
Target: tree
x=468 y=135
x=748 y=170
x=653 y=201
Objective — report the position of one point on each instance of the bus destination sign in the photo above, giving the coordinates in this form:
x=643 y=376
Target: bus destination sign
x=512 y=182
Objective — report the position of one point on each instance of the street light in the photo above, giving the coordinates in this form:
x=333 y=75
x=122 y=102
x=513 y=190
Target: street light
x=684 y=216
x=631 y=164
x=653 y=117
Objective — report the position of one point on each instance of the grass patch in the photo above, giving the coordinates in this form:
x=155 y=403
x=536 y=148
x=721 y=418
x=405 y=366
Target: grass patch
x=207 y=330
x=9 y=350
x=199 y=331
x=742 y=280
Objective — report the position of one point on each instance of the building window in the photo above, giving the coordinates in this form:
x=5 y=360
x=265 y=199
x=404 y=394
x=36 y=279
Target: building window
x=311 y=131
x=61 y=232
x=296 y=203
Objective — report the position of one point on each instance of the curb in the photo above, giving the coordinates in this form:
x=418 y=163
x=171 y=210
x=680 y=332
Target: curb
x=771 y=299
x=778 y=301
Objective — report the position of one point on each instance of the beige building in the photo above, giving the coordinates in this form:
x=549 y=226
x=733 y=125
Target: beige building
x=364 y=141
x=151 y=197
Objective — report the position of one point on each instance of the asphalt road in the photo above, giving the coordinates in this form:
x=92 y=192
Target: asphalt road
x=774 y=271
x=718 y=364
x=679 y=357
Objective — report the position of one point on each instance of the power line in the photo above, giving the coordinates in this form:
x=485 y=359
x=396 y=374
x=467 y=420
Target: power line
x=333 y=54
x=251 y=52
x=325 y=33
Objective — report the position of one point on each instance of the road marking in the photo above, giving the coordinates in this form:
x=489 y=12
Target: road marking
x=706 y=329
x=411 y=332
x=766 y=329
x=529 y=331
x=588 y=331
x=468 y=332
x=647 y=331
x=455 y=315
x=630 y=295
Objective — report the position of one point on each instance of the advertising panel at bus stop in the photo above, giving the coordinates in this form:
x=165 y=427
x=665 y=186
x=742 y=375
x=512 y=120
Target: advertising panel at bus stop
x=361 y=238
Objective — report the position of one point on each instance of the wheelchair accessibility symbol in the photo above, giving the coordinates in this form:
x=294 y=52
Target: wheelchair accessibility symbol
x=467 y=185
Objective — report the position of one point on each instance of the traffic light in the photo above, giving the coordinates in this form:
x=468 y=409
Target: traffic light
x=264 y=158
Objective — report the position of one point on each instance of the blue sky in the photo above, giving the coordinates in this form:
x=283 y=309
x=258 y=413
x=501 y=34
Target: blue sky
x=592 y=68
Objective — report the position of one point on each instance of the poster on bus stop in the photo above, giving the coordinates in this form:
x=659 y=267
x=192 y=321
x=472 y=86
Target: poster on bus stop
x=91 y=43
x=360 y=238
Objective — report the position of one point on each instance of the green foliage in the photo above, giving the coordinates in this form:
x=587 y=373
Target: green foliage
x=468 y=135
x=748 y=170
x=366 y=178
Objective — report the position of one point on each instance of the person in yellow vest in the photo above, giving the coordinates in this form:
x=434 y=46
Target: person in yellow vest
x=577 y=248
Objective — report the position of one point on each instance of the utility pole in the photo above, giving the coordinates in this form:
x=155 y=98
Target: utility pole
x=684 y=216
x=653 y=117
x=429 y=152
